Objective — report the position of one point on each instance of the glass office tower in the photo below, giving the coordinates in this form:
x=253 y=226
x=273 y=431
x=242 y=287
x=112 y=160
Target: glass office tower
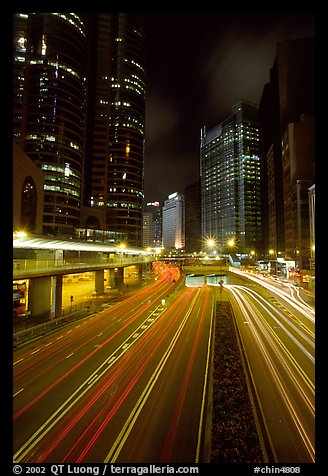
x=173 y=222
x=117 y=121
x=49 y=96
x=230 y=180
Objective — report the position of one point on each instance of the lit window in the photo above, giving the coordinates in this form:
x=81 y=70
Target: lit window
x=44 y=45
x=67 y=170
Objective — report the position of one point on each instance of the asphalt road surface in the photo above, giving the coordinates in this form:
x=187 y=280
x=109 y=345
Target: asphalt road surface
x=128 y=384
x=277 y=330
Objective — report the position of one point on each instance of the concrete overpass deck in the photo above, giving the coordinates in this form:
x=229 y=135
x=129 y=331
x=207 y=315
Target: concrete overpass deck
x=41 y=256
x=39 y=264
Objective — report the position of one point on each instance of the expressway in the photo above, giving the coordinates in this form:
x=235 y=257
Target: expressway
x=126 y=385
x=277 y=333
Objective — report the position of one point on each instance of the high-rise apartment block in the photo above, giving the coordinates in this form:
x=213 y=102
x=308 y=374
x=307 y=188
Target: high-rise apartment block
x=230 y=180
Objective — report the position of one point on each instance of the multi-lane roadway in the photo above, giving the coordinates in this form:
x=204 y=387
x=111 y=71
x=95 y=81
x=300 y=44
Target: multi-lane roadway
x=277 y=332
x=132 y=383
x=128 y=384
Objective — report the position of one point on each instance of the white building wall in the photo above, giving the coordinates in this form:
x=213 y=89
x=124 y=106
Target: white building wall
x=173 y=222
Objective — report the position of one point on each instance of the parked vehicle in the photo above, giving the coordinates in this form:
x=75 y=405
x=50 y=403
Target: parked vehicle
x=75 y=278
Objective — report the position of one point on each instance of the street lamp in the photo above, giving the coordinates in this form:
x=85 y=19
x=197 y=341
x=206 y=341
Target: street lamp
x=231 y=243
x=272 y=263
x=20 y=234
x=210 y=243
x=253 y=255
x=122 y=247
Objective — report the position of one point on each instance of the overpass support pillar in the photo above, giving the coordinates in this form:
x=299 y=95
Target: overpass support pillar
x=99 y=281
x=112 y=278
x=120 y=278
x=116 y=277
x=140 y=269
x=57 y=296
x=39 y=296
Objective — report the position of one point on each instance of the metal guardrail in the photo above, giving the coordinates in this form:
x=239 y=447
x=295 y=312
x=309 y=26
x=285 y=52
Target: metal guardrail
x=39 y=330
x=82 y=310
x=23 y=267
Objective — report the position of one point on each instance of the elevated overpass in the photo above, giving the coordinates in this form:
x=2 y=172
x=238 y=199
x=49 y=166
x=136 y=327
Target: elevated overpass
x=41 y=262
x=41 y=256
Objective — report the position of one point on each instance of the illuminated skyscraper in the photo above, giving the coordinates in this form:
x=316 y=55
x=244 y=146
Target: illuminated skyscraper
x=230 y=180
x=49 y=96
x=147 y=230
x=156 y=210
x=117 y=121
x=69 y=67
x=173 y=222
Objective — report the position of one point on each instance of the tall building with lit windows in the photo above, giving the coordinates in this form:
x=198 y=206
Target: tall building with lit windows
x=156 y=210
x=230 y=180
x=79 y=115
x=117 y=121
x=173 y=222
x=49 y=98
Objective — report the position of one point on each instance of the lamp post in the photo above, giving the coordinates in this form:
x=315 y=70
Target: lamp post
x=271 y=259
x=231 y=243
x=211 y=244
x=122 y=247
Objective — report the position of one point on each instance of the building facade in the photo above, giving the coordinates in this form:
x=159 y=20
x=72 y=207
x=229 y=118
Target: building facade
x=117 y=121
x=156 y=210
x=173 y=222
x=79 y=106
x=312 y=225
x=192 y=196
x=28 y=185
x=147 y=229
x=298 y=152
x=231 y=180
x=49 y=97
x=285 y=99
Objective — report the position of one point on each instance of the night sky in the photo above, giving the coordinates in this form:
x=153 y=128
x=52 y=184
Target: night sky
x=198 y=66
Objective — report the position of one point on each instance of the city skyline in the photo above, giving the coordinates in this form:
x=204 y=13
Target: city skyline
x=218 y=59
x=116 y=184
x=164 y=307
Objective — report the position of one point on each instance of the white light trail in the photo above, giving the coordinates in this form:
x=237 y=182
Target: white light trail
x=304 y=309
x=264 y=338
